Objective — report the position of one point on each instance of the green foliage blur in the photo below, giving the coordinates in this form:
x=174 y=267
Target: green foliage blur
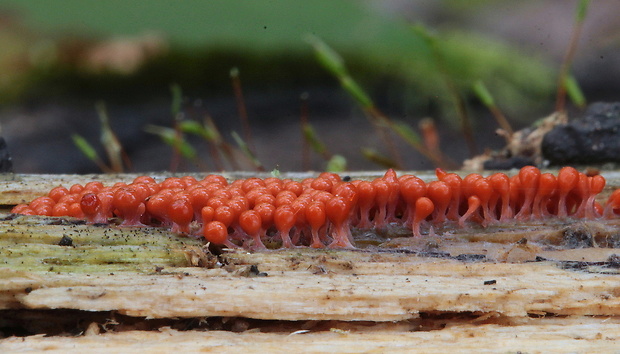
x=202 y=40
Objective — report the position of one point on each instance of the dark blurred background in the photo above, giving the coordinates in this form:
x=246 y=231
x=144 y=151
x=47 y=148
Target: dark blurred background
x=59 y=58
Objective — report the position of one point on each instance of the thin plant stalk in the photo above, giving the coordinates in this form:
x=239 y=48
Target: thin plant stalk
x=110 y=141
x=209 y=132
x=247 y=152
x=243 y=112
x=461 y=110
x=413 y=139
x=170 y=137
x=459 y=103
x=215 y=156
x=177 y=117
x=487 y=99
x=175 y=160
x=377 y=158
x=574 y=91
x=430 y=135
x=334 y=63
x=175 y=136
x=580 y=15
x=311 y=140
x=382 y=123
x=206 y=134
x=84 y=146
x=305 y=147
x=222 y=145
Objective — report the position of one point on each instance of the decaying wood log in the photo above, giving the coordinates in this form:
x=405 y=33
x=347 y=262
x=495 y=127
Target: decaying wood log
x=374 y=288
x=516 y=287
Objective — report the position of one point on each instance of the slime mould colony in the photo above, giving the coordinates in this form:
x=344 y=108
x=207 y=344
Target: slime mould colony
x=319 y=212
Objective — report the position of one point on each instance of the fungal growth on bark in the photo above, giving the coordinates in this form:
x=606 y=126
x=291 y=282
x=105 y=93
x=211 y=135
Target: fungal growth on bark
x=321 y=212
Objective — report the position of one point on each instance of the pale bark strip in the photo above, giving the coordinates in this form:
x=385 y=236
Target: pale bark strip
x=372 y=291
x=586 y=335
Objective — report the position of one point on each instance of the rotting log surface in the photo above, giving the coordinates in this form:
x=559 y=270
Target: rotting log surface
x=474 y=288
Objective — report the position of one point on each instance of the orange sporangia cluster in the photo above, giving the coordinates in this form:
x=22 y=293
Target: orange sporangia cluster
x=319 y=212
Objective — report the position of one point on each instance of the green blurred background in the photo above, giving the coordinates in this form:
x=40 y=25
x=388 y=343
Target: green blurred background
x=58 y=58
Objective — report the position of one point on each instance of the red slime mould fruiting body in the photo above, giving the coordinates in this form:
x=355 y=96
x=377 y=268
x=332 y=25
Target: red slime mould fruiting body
x=251 y=223
x=366 y=195
x=316 y=217
x=423 y=208
x=284 y=220
x=320 y=212
x=411 y=190
x=338 y=211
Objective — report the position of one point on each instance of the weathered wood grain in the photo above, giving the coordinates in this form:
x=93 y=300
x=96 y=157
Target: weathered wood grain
x=582 y=335
x=144 y=272
x=516 y=273
x=394 y=291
